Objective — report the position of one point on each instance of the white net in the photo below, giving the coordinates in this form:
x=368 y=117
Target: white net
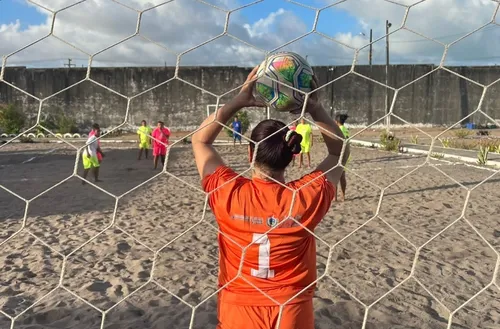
x=416 y=244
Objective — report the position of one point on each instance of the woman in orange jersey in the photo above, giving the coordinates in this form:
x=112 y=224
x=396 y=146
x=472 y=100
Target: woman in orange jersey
x=264 y=217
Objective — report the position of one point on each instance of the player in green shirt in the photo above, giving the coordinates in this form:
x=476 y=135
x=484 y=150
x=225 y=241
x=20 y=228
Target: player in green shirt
x=144 y=133
x=340 y=120
x=305 y=130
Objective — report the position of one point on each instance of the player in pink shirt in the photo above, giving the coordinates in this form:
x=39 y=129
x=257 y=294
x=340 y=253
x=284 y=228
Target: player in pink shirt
x=99 y=155
x=160 y=140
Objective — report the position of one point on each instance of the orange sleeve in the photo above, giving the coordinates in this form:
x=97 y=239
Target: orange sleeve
x=315 y=195
x=219 y=177
x=221 y=185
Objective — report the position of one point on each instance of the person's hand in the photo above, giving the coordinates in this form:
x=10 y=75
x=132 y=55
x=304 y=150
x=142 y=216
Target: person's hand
x=312 y=101
x=245 y=97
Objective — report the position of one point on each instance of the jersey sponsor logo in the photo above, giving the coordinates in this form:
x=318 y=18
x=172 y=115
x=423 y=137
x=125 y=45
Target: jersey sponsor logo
x=253 y=220
x=272 y=222
x=238 y=217
x=256 y=221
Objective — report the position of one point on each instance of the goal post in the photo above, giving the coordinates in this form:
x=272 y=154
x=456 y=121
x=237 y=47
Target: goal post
x=211 y=108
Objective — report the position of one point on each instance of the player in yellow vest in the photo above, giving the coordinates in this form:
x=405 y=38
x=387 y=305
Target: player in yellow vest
x=144 y=133
x=340 y=120
x=305 y=130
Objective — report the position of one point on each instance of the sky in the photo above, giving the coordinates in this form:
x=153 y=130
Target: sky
x=98 y=27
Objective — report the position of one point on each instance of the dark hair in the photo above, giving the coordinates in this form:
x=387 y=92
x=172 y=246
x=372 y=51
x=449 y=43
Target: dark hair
x=95 y=126
x=275 y=152
x=342 y=118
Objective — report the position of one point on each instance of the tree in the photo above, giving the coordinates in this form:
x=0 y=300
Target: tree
x=245 y=123
x=11 y=119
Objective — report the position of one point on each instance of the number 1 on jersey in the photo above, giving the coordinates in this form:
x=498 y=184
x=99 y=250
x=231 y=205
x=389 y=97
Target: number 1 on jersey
x=264 y=271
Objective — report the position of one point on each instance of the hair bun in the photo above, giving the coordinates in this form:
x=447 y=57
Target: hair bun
x=293 y=140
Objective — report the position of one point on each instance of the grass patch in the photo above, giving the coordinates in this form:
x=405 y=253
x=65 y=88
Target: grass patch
x=389 y=142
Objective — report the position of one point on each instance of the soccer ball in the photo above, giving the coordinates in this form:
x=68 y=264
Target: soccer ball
x=290 y=69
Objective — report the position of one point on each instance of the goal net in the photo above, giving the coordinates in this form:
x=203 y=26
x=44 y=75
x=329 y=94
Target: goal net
x=128 y=238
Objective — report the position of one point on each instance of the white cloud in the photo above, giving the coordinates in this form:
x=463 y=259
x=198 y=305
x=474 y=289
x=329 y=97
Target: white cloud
x=263 y=26
x=444 y=20
x=180 y=25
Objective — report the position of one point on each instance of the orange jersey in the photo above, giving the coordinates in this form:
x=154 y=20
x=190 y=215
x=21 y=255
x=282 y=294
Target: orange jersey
x=282 y=262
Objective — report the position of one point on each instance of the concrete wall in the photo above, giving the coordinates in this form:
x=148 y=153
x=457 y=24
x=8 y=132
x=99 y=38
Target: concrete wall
x=439 y=98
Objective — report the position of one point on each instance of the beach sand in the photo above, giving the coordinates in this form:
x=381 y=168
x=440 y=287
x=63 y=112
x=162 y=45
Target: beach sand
x=110 y=237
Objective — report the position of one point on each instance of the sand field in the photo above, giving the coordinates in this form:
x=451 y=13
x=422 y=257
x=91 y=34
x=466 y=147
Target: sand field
x=82 y=245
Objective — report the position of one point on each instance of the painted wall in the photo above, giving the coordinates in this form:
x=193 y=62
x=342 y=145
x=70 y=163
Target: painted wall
x=439 y=98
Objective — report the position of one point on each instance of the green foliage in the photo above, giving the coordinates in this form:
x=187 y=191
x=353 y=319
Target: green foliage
x=58 y=122
x=12 y=120
x=462 y=133
x=493 y=145
x=414 y=139
x=464 y=144
x=458 y=143
x=66 y=125
x=482 y=155
x=245 y=123
x=446 y=142
x=389 y=142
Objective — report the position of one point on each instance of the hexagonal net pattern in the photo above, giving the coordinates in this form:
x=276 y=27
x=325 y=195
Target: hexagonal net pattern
x=383 y=224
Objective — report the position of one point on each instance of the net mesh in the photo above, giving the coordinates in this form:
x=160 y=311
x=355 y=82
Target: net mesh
x=378 y=227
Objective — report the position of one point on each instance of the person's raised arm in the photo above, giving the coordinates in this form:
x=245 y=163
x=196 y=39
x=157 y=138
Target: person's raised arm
x=206 y=157
x=332 y=135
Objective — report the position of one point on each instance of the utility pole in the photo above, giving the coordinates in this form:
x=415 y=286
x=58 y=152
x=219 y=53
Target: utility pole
x=69 y=65
x=370 y=56
x=388 y=118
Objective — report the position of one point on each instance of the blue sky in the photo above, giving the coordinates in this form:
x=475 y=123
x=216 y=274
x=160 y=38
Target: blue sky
x=332 y=21
x=266 y=25
x=11 y=10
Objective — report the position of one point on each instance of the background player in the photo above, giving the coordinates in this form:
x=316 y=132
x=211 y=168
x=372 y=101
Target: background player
x=236 y=125
x=144 y=133
x=305 y=130
x=99 y=155
x=340 y=120
x=90 y=152
x=282 y=263
x=160 y=136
